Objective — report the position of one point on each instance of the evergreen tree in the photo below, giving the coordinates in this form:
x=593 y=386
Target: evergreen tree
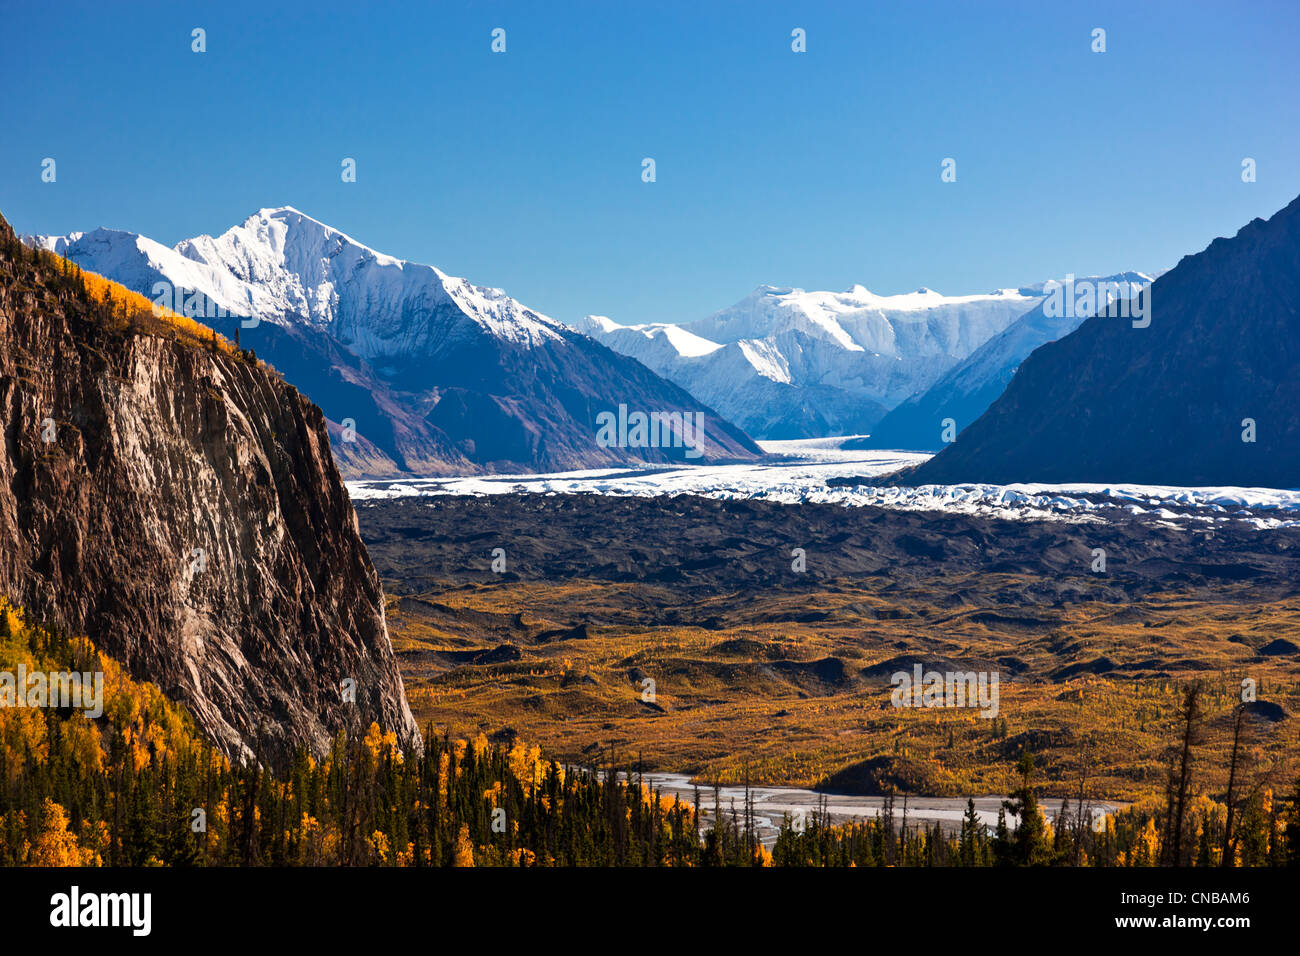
x=1028 y=845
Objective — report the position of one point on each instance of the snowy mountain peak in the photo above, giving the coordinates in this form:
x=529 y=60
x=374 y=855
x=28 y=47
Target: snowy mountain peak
x=602 y=322
x=770 y=291
x=435 y=373
x=282 y=266
x=858 y=320
x=655 y=345
x=281 y=212
x=786 y=362
x=101 y=237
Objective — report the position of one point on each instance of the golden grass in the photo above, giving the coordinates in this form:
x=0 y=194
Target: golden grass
x=722 y=707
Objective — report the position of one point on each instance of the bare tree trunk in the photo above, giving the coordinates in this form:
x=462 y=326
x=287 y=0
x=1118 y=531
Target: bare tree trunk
x=1189 y=715
x=1083 y=808
x=1229 y=845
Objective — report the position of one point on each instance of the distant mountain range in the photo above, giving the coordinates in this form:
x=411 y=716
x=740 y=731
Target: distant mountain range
x=785 y=363
x=420 y=372
x=1205 y=394
x=973 y=384
x=426 y=372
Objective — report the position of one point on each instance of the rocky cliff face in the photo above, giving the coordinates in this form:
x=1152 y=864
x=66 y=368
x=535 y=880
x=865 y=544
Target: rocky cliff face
x=178 y=503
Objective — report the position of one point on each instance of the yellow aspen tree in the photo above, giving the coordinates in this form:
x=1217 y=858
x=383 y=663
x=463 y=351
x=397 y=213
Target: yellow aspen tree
x=55 y=846
x=464 y=849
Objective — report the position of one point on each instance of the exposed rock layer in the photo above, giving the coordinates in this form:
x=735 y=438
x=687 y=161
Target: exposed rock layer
x=161 y=446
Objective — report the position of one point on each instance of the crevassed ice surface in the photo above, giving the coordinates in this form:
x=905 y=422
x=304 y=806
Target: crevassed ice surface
x=797 y=471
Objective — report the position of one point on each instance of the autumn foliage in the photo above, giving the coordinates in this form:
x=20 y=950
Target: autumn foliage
x=115 y=307
x=138 y=786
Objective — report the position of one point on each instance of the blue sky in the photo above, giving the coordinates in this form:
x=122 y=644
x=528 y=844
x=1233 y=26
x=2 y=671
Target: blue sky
x=523 y=170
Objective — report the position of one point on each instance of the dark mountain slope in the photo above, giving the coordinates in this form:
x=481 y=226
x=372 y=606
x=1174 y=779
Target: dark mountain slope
x=1163 y=404
x=389 y=438
x=967 y=390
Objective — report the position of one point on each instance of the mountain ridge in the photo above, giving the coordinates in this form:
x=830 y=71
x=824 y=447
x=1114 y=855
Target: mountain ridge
x=788 y=363
x=1205 y=394
x=457 y=378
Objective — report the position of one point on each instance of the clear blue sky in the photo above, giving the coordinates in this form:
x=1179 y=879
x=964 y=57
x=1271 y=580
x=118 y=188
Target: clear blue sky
x=523 y=170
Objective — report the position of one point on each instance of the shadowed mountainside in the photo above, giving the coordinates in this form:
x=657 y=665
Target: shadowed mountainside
x=1165 y=404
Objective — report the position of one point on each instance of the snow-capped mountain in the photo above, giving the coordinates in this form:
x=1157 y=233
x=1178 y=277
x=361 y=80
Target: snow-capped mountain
x=439 y=375
x=283 y=266
x=914 y=323
x=786 y=363
x=972 y=385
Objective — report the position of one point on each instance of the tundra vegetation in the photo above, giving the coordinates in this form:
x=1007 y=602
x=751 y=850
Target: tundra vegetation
x=786 y=677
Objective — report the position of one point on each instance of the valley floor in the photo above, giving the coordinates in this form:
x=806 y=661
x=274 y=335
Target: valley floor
x=785 y=676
